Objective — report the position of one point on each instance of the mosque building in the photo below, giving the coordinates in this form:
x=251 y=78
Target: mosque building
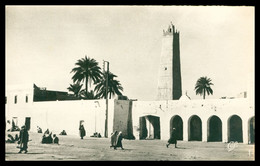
x=209 y=120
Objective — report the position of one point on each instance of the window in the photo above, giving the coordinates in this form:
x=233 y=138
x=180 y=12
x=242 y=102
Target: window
x=26 y=98
x=15 y=99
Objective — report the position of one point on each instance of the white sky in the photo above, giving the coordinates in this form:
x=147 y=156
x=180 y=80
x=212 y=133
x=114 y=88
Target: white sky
x=43 y=44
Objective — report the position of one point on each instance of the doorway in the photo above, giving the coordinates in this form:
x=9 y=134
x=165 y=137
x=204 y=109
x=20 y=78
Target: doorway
x=28 y=123
x=195 y=128
x=149 y=127
x=235 y=132
x=214 y=129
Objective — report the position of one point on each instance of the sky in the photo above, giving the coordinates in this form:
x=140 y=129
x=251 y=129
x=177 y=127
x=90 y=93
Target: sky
x=43 y=43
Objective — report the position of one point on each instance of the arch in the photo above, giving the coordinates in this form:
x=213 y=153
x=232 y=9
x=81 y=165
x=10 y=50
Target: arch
x=194 y=128
x=149 y=127
x=251 y=130
x=214 y=129
x=235 y=132
x=177 y=123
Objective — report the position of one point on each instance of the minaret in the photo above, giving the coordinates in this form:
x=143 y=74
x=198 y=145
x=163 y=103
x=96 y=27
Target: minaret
x=169 y=83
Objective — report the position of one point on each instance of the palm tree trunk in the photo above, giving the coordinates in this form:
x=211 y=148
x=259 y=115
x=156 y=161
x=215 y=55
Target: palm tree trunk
x=204 y=94
x=86 y=85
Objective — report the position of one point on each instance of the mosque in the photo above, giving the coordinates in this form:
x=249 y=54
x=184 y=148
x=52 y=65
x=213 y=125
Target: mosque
x=209 y=120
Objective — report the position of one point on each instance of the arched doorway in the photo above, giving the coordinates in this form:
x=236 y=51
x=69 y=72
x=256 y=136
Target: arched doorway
x=214 y=129
x=251 y=126
x=177 y=123
x=28 y=123
x=235 y=132
x=149 y=127
x=195 y=128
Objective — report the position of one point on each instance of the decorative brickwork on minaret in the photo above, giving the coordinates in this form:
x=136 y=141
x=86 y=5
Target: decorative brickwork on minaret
x=169 y=83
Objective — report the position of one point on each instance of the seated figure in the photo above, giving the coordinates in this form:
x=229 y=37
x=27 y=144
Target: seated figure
x=39 y=130
x=47 y=138
x=55 y=139
x=63 y=132
x=10 y=139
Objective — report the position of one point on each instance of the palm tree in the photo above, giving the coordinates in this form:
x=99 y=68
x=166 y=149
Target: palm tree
x=114 y=86
x=88 y=95
x=203 y=85
x=87 y=70
x=75 y=88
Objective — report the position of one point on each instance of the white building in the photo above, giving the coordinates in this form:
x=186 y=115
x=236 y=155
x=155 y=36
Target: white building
x=221 y=120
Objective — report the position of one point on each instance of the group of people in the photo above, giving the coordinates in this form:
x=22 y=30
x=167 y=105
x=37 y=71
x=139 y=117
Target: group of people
x=11 y=139
x=96 y=134
x=48 y=139
x=82 y=132
x=117 y=137
x=116 y=140
x=23 y=139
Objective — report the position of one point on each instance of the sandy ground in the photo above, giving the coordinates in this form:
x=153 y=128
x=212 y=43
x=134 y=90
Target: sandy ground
x=73 y=148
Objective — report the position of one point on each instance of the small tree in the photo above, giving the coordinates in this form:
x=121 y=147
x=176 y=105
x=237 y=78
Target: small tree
x=75 y=88
x=203 y=85
x=88 y=95
x=114 y=86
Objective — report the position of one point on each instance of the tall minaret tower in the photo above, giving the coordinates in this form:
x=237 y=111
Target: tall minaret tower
x=169 y=83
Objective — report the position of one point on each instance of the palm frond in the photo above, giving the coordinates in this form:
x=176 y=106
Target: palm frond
x=87 y=70
x=203 y=85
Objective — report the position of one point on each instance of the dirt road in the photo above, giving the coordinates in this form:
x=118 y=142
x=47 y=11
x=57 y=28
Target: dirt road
x=73 y=148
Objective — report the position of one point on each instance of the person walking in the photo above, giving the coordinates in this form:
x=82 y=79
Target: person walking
x=114 y=139
x=173 y=138
x=82 y=131
x=119 y=140
x=23 y=139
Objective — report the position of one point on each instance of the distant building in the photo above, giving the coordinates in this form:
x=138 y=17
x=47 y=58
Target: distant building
x=42 y=94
